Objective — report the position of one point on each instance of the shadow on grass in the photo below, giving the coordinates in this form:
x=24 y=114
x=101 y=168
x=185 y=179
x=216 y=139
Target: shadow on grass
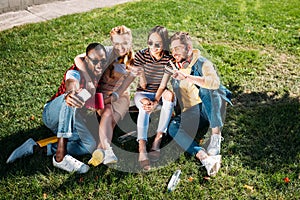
x=28 y=165
x=264 y=131
x=40 y=163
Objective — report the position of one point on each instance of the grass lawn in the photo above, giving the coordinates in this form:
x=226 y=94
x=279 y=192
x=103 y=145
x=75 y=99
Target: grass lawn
x=256 y=48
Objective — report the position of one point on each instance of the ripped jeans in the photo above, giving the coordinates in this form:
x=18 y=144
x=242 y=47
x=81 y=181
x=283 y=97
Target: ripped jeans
x=66 y=122
x=143 y=117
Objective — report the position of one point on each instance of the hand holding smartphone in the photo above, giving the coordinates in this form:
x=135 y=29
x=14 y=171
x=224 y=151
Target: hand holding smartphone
x=84 y=95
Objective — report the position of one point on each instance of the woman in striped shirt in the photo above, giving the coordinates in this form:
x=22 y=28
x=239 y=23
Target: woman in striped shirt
x=152 y=91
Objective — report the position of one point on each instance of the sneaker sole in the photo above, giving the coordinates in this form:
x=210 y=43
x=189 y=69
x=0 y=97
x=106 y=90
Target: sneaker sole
x=216 y=168
x=111 y=162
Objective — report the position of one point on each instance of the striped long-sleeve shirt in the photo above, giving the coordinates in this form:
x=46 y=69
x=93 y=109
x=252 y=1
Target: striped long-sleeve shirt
x=154 y=69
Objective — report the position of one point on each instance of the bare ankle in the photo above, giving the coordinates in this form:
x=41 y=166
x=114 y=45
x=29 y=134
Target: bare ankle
x=216 y=130
x=157 y=141
x=142 y=146
x=59 y=157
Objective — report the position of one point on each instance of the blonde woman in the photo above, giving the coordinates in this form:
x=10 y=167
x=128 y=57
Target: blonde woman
x=113 y=85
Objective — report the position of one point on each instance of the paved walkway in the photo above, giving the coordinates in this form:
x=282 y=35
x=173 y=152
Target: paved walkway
x=52 y=10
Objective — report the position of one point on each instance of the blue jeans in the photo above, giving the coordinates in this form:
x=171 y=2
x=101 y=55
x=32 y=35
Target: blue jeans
x=66 y=122
x=214 y=104
x=143 y=117
x=184 y=127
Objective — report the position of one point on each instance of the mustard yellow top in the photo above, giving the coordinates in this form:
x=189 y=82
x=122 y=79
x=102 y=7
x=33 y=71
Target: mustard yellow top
x=189 y=93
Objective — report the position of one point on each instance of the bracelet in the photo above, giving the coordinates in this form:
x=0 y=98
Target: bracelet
x=116 y=95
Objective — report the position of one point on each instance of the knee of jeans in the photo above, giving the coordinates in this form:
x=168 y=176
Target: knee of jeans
x=93 y=146
x=144 y=101
x=137 y=98
x=142 y=112
x=168 y=95
x=173 y=128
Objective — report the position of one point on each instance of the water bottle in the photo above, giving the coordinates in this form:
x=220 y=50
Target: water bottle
x=174 y=180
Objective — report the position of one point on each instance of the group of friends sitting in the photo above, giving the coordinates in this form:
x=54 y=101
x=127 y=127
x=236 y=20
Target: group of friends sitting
x=109 y=71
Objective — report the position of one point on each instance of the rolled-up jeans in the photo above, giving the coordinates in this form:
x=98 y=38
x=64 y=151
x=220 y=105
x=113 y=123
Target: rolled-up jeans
x=66 y=122
x=143 y=117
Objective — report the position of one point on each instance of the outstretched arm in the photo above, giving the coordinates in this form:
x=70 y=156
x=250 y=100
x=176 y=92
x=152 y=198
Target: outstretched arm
x=79 y=62
x=72 y=87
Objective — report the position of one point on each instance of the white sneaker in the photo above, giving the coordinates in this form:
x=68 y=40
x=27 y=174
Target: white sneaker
x=70 y=164
x=24 y=150
x=212 y=164
x=97 y=157
x=109 y=156
x=214 y=146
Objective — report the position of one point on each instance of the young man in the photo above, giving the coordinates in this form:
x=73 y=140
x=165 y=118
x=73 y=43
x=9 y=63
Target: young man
x=65 y=115
x=202 y=101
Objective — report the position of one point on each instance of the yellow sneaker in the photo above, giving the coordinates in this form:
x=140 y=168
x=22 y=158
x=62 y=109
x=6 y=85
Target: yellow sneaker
x=97 y=157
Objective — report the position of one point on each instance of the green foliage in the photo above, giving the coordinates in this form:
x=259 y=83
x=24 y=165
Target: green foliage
x=255 y=46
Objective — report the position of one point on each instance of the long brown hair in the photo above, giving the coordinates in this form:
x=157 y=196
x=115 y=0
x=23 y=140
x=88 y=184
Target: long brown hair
x=163 y=33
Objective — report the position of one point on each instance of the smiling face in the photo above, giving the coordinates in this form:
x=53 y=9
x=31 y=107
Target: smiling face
x=155 y=44
x=121 y=43
x=96 y=60
x=179 y=51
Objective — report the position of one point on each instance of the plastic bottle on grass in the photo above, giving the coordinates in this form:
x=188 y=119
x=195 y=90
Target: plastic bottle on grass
x=174 y=180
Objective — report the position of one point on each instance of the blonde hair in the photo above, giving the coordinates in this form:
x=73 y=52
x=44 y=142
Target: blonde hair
x=129 y=57
x=123 y=30
x=120 y=30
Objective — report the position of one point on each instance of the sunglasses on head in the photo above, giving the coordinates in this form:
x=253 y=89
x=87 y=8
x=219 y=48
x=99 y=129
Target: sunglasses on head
x=156 y=45
x=95 y=62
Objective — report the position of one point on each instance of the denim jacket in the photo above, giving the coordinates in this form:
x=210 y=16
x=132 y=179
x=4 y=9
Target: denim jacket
x=211 y=99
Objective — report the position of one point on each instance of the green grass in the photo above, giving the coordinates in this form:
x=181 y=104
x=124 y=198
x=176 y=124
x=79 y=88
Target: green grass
x=256 y=48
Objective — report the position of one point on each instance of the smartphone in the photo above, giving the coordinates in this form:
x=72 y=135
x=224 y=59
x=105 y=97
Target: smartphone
x=84 y=94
